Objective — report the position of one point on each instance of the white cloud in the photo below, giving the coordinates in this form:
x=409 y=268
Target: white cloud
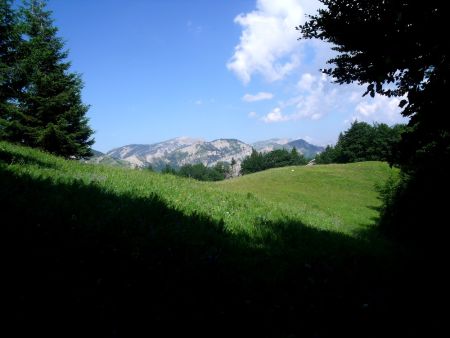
x=257 y=97
x=268 y=46
x=317 y=97
x=306 y=81
x=275 y=116
x=252 y=114
x=268 y=43
x=199 y=102
x=379 y=109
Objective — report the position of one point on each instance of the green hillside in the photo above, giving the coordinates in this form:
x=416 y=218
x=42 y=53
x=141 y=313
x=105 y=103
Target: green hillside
x=284 y=249
x=343 y=194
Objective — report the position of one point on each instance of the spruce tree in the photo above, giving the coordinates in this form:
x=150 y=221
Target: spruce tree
x=10 y=39
x=51 y=98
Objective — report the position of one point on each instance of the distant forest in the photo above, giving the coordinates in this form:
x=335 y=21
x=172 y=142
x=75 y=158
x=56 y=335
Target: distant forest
x=363 y=142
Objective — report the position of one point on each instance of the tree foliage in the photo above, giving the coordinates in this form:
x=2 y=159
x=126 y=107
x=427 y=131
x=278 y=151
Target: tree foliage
x=200 y=172
x=10 y=39
x=273 y=159
x=399 y=48
x=363 y=142
x=41 y=105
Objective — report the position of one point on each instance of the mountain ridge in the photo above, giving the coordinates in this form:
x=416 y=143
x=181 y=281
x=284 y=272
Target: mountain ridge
x=179 y=151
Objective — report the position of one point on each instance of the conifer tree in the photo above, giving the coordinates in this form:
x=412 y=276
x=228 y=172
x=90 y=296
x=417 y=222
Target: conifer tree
x=51 y=98
x=9 y=85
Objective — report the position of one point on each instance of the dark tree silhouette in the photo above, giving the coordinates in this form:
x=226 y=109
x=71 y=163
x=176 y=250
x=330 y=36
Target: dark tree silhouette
x=399 y=48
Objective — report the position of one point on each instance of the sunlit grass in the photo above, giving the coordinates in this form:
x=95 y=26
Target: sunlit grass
x=339 y=198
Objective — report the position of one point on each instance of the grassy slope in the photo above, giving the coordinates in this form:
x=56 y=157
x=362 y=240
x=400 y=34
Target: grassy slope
x=340 y=198
x=117 y=248
x=343 y=193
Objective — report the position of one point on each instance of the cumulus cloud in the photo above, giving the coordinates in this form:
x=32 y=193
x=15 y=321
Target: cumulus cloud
x=257 y=97
x=268 y=47
x=380 y=109
x=306 y=81
x=314 y=99
x=268 y=43
x=275 y=116
x=317 y=97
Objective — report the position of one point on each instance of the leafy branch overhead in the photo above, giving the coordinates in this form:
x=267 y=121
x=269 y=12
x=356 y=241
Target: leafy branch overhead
x=399 y=48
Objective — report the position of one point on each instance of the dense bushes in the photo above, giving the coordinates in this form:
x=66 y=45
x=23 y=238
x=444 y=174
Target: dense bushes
x=273 y=159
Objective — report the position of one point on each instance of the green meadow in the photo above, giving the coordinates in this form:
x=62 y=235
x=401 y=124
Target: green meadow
x=338 y=197
x=287 y=248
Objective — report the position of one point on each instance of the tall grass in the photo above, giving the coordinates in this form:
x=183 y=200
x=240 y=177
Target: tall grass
x=123 y=251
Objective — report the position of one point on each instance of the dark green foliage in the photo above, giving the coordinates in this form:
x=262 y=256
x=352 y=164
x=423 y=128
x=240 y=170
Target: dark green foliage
x=10 y=40
x=296 y=158
x=224 y=168
x=168 y=170
x=252 y=163
x=273 y=159
x=400 y=49
x=413 y=206
x=329 y=155
x=363 y=142
x=201 y=172
x=42 y=106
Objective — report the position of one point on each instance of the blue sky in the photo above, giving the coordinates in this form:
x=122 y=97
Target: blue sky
x=159 y=69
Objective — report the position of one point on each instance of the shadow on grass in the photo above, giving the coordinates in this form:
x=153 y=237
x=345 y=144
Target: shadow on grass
x=8 y=157
x=82 y=261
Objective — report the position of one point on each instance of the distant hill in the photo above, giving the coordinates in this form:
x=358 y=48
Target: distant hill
x=307 y=149
x=185 y=150
x=182 y=150
x=271 y=144
x=101 y=158
x=97 y=153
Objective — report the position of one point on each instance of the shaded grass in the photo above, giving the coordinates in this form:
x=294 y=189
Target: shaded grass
x=121 y=253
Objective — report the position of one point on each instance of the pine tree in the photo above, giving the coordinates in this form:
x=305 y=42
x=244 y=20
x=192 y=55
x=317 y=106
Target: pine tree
x=296 y=158
x=55 y=117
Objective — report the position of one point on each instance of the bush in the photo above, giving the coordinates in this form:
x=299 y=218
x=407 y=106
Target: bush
x=414 y=209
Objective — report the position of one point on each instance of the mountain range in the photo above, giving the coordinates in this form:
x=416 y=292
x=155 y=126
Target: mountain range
x=184 y=150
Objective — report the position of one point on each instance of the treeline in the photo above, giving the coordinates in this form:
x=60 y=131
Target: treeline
x=274 y=159
x=218 y=172
x=363 y=142
x=40 y=99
